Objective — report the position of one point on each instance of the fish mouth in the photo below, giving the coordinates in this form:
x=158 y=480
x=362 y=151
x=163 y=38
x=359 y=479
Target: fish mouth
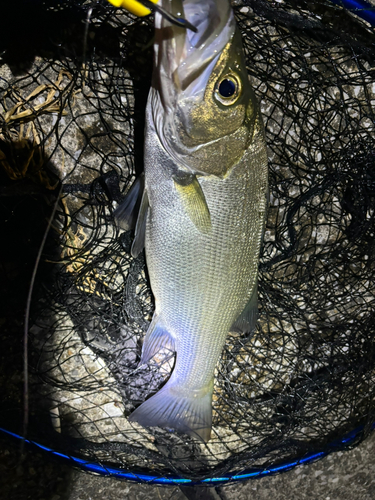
x=185 y=59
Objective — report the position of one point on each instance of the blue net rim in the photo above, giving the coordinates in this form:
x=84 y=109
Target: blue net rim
x=108 y=470
x=361 y=8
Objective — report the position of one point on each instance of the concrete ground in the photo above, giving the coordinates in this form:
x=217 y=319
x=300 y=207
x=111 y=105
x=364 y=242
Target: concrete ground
x=348 y=475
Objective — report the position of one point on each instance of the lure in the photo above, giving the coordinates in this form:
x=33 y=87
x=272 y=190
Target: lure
x=145 y=7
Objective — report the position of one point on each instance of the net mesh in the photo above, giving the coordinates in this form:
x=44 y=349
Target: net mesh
x=72 y=111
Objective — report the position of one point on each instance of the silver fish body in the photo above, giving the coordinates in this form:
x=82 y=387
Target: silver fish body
x=204 y=206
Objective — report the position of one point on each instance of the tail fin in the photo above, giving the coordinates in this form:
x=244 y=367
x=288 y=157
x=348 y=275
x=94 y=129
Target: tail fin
x=174 y=407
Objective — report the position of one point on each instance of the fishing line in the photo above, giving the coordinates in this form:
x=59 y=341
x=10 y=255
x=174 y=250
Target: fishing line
x=84 y=50
x=178 y=21
x=27 y=318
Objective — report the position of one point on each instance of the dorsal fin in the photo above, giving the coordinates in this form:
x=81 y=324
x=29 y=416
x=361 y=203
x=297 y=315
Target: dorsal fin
x=126 y=213
x=140 y=228
x=156 y=338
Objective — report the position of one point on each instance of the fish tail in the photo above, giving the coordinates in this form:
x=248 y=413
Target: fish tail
x=174 y=407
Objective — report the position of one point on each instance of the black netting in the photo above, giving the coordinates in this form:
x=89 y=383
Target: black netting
x=72 y=111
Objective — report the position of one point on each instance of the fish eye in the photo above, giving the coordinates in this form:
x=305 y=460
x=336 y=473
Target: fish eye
x=228 y=90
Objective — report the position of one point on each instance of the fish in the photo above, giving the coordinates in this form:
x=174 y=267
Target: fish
x=202 y=207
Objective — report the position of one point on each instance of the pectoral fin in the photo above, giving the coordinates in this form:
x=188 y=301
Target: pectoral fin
x=246 y=321
x=193 y=200
x=126 y=213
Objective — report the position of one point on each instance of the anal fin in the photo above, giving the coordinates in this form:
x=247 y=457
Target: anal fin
x=246 y=321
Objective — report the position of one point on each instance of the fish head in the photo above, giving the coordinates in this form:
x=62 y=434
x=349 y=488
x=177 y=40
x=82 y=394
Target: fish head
x=204 y=108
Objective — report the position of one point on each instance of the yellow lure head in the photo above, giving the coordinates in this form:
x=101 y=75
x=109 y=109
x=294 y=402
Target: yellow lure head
x=133 y=6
